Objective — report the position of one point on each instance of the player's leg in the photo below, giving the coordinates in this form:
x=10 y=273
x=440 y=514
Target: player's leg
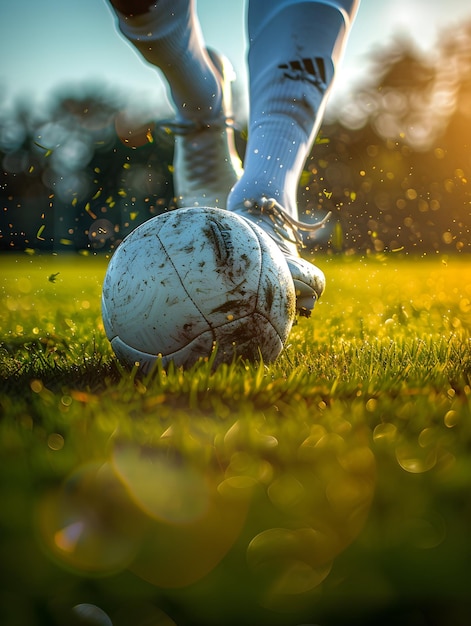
x=294 y=49
x=168 y=35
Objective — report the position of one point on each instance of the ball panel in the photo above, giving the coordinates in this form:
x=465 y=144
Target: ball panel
x=148 y=323
x=143 y=297
x=250 y=338
x=217 y=259
x=187 y=356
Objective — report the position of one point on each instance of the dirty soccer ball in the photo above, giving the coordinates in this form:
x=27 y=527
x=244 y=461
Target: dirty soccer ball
x=195 y=279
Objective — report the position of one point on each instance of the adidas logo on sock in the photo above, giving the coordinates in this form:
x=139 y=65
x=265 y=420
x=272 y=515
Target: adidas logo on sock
x=310 y=70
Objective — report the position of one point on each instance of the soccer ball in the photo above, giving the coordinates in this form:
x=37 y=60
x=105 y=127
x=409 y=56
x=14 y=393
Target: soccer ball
x=192 y=281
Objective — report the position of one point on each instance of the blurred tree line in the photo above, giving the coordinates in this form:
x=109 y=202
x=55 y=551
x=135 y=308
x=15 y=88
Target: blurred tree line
x=392 y=162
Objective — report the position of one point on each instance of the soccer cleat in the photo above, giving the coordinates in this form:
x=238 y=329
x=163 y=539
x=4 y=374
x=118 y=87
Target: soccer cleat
x=206 y=163
x=309 y=280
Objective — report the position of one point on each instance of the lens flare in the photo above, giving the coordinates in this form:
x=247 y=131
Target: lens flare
x=85 y=524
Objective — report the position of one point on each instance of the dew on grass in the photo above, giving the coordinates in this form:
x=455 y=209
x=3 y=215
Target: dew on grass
x=243 y=464
x=451 y=419
x=263 y=442
x=414 y=459
x=290 y=560
x=235 y=435
x=386 y=432
x=236 y=487
x=371 y=405
x=66 y=400
x=331 y=443
x=55 y=441
x=36 y=386
x=427 y=437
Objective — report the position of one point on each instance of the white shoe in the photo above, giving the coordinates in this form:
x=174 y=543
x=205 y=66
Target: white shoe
x=309 y=280
x=206 y=164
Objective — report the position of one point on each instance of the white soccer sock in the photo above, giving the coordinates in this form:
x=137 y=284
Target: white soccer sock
x=294 y=47
x=169 y=37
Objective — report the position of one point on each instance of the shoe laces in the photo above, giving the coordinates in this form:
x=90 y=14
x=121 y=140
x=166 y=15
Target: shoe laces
x=283 y=222
x=201 y=153
x=188 y=127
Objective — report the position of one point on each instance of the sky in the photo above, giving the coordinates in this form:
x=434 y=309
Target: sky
x=52 y=43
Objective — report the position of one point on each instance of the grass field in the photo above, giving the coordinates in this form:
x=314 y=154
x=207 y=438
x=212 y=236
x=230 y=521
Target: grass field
x=332 y=487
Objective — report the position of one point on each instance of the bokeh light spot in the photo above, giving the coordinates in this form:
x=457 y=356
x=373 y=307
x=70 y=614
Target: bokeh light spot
x=414 y=459
x=90 y=615
x=55 y=441
x=162 y=482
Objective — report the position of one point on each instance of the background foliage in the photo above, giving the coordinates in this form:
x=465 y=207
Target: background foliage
x=392 y=162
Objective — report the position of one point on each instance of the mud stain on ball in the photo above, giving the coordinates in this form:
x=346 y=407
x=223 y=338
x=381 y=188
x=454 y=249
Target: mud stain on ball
x=269 y=294
x=221 y=240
